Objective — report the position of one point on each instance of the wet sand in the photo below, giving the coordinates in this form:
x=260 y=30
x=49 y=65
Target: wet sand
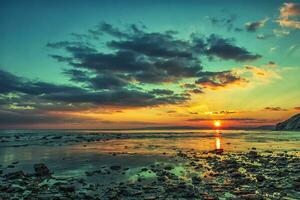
x=149 y=165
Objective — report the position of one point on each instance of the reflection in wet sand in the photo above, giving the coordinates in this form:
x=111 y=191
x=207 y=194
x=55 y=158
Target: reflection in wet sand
x=218 y=142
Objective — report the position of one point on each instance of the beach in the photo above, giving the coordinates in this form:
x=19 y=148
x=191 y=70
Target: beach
x=168 y=164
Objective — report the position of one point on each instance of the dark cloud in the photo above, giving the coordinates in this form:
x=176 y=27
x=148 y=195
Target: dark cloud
x=121 y=97
x=227 y=22
x=71 y=94
x=225 y=49
x=161 y=92
x=77 y=75
x=274 y=109
x=223 y=112
x=297 y=108
x=118 y=74
x=238 y=30
x=155 y=44
x=189 y=85
x=108 y=81
x=221 y=79
x=12 y=83
x=150 y=57
x=110 y=30
x=254 y=26
x=13 y=118
x=196 y=91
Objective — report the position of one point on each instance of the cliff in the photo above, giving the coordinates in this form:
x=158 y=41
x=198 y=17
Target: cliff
x=292 y=124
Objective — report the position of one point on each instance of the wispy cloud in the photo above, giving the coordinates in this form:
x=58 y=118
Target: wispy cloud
x=289 y=15
x=254 y=26
x=274 y=109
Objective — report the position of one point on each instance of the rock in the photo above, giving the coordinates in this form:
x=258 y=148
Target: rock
x=150 y=198
x=251 y=197
x=253 y=154
x=296 y=184
x=168 y=167
x=89 y=173
x=14 y=175
x=260 y=178
x=144 y=169
x=236 y=175
x=292 y=124
x=41 y=169
x=56 y=137
x=15 y=188
x=67 y=188
x=136 y=193
x=196 y=180
x=115 y=167
x=218 y=151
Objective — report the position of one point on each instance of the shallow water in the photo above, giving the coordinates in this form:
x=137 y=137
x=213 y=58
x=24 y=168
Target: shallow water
x=70 y=155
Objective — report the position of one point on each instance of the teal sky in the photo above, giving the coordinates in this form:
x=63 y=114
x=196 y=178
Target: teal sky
x=28 y=26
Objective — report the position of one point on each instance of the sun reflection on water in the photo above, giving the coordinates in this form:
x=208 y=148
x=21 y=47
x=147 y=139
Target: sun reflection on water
x=218 y=137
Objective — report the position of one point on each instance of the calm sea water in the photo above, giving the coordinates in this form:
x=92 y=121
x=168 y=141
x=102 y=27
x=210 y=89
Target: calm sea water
x=74 y=151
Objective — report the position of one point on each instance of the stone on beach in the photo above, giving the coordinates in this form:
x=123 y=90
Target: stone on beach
x=41 y=169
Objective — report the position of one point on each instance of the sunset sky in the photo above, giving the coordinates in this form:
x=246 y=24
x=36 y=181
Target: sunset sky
x=124 y=64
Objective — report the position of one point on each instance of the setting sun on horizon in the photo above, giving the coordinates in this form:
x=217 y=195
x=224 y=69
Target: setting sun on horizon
x=217 y=123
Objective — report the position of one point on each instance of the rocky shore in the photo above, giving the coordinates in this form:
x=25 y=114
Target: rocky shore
x=187 y=174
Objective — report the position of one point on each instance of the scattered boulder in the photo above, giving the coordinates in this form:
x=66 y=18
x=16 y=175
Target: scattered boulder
x=115 y=167
x=67 y=188
x=41 y=169
x=14 y=175
x=260 y=178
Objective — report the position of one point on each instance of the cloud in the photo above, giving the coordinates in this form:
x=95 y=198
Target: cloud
x=297 y=108
x=225 y=49
x=12 y=83
x=225 y=119
x=263 y=36
x=155 y=44
x=108 y=29
x=274 y=109
x=289 y=15
x=281 y=33
x=71 y=94
x=227 y=22
x=254 y=26
x=222 y=112
x=196 y=91
x=121 y=98
x=285 y=22
x=290 y=9
x=119 y=74
x=31 y=117
x=265 y=72
x=216 y=80
x=161 y=92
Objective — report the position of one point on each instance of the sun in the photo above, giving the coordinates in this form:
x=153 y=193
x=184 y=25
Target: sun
x=217 y=123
